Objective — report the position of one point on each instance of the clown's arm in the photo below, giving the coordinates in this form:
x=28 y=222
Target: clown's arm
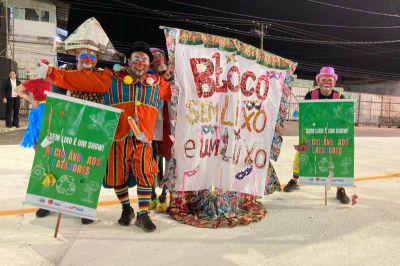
x=80 y=80
x=24 y=94
x=165 y=89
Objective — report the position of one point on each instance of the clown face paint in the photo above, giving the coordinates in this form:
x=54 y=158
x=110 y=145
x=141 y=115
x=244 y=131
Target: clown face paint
x=87 y=59
x=158 y=63
x=139 y=64
x=326 y=84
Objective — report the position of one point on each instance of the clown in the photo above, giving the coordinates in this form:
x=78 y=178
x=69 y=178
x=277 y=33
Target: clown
x=147 y=92
x=162 y=143
x=33 y=91
x=326 y=81
x=88 y=42
x=139 y=95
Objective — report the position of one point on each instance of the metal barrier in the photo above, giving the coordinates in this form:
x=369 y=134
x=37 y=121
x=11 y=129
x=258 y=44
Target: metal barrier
x=25 y=105
x=370 y=109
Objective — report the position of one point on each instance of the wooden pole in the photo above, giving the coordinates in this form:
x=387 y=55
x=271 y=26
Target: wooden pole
x=57 y=225
x=326 y=196
x=262 y=33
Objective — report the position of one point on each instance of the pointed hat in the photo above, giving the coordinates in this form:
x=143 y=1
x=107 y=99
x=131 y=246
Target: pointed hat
x=90 y=35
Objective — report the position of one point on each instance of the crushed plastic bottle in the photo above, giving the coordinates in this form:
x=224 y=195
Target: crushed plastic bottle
x=20 y=217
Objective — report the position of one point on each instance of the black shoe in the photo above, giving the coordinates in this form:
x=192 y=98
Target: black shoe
x=143 y=221
x=341 y=196
x=40 y=213
x=9 y=126
x=86 y=221
x=127 y=216
x=162 y=198
x=291 y=186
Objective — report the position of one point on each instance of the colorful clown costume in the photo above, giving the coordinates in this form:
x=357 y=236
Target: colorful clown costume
x=141 y=101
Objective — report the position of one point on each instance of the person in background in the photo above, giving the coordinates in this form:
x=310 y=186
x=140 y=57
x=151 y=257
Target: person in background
x=12 y=99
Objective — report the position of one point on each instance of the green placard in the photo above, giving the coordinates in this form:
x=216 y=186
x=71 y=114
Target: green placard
x=327 y=126
x=71 y=155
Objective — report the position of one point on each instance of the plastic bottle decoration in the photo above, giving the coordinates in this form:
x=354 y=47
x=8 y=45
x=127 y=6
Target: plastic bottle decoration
x=48 y=140
x=149 y=79
x=49 y=180
x=136 y=131
x=117 y=67
x=128 y=79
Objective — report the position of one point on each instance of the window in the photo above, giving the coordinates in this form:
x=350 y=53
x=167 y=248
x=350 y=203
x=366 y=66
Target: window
x=44 y=16
x=31 y=14
x=19 y=13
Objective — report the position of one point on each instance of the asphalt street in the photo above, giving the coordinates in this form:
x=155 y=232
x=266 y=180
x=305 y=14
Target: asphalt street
x=298 y=229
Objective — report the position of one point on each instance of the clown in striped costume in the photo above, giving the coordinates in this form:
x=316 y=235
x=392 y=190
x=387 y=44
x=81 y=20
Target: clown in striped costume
x=140 y=97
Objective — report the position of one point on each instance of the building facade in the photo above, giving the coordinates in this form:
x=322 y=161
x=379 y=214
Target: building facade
x=32 y=31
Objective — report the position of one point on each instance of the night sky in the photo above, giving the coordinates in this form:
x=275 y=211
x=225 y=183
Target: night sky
x=128 y=21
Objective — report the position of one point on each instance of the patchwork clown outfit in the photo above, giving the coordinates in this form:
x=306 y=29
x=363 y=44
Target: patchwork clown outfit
x=139 y=95
x=88 y=43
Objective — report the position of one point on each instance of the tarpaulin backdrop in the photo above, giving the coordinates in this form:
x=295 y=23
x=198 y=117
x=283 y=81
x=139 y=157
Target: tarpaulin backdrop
x=71 y=156
x=228 y=104
x=328 y=128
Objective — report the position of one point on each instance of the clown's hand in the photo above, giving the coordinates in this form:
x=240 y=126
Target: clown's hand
x=301 y=148
x=41 y=70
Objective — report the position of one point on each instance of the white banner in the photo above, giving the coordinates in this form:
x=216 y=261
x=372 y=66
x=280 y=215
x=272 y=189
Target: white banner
x=228 y=107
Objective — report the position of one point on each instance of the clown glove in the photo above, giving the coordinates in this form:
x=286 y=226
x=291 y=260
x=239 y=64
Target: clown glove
x=41 y=71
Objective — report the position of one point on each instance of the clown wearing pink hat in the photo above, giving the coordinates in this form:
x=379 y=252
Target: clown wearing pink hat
x=326 y=80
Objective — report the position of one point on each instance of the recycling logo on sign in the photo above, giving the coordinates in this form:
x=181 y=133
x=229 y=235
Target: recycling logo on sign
x=65 y=185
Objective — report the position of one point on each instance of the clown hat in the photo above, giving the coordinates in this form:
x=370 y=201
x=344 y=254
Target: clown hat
x=140 y=46
x=90 y=35
x=327 y=72
x=153 y=50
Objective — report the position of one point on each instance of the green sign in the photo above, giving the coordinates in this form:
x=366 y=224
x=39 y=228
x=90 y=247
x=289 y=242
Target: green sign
x=71 y=155
x=327 y=126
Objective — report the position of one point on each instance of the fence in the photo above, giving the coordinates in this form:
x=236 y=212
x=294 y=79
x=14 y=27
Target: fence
x=370 y=109
x=25 y=105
